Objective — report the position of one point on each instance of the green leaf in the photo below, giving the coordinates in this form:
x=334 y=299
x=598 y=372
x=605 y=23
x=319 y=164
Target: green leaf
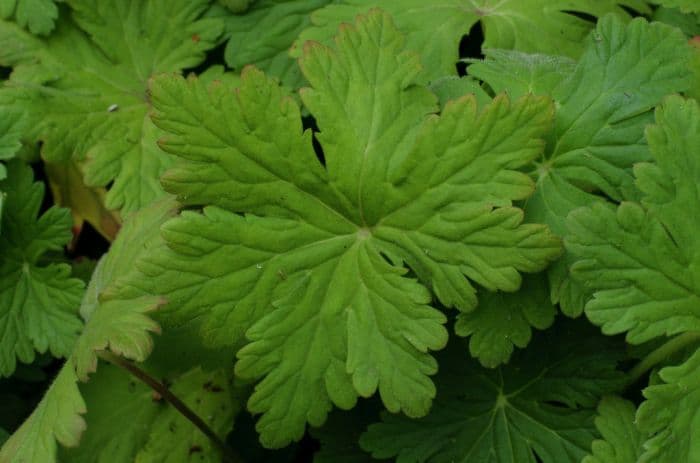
x=688 y=23
x=640 y=259
x=12 y=125
x=263 y=36
x=128 y=422
x=538 y=408
x=314 y=272
x=598 y=135
x=503 y=321
x=686 y=6
x=112 y=321
x=39 y=16
x=622 y=442
x=452 y=87
x=517 y=73
x=38 y=301
x=85 y=87
x=56 y=418
x=524 y=25
x=670 y=414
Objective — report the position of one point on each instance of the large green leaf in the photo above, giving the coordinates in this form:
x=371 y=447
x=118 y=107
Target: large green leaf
x=602 y=109
x=538 y=408
x=642 y=263
x=532 y=26
x=85 y=86
x=313 y=274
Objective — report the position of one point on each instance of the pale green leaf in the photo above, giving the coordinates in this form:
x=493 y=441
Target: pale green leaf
x=436 y=30
x=622 y=441
x=38 y=302
x=112 y=321
x=538 y=408
x=503 y=321
x=86 y=87
x=39 y=16
x=58 y=417
x=263 y=36
x=313 y=275
x=640 y=259
x=671 y=415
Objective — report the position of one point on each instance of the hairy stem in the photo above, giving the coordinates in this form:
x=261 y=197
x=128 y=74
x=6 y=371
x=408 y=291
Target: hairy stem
x=229 y=455
x=660 y=354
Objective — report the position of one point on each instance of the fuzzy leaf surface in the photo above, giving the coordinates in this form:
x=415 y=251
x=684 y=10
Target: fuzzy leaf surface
x=603 y=108
x=38 y=301
x=507 y=415
x=622 y=441
x=313 y=275
x=524 y=25
x=85 y=87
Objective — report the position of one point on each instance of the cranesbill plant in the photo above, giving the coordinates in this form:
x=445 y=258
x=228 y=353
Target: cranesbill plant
x=342 y=241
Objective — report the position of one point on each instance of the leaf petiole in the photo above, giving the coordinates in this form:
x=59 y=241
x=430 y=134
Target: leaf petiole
x=228 y=454
x=660 y=354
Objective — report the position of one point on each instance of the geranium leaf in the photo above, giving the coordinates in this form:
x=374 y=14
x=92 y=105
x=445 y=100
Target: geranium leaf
x=58 y=417
x=38 y=302
x=641 y=263
x=640 y=259
x=503 y=321
x=524 y=25
x=111 y=322
x=599 y=126
x=315 y=271
x=39 y=16
x=622 y=441
x=538 y=408
x=85 y=87
x=264 y=35
x=670 y=414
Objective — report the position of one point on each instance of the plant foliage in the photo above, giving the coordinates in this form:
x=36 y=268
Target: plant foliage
x=284 y=230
